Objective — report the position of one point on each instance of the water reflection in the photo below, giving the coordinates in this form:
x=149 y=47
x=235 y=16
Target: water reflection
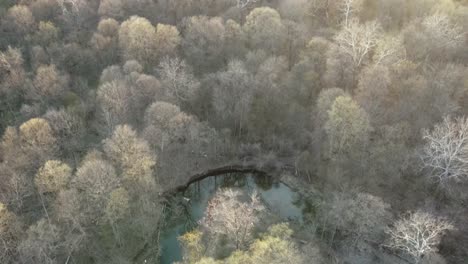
x=278 y=198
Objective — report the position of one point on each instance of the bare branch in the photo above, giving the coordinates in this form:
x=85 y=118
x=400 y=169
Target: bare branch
x=445 y=154
x=441 y=29
x=226 y=214
x=244 y=3
x=417 y=234
x=357 y=41
x=348 y=8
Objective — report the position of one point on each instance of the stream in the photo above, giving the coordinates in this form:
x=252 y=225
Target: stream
x=278 y=198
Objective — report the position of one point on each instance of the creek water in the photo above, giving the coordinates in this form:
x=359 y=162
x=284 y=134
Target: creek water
x=278 y=198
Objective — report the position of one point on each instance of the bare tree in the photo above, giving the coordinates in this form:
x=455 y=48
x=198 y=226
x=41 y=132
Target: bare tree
x=357 y=41
x=232 y=98
x=178 y=79
x=10 y=230
x=348 y=8
x=355 y=214
x=114 y=104
x=372 y=92
x=111 y=8
x=443 y=32
x=417 y=234
x=70 y=6
x=234 y=45
x=46 y=34
x=445 y=154
x=265 y=30
x=19 y=19
x=96 y=179
x=72 y=9
x=436 y=37
x=132 y=155
x=389 y=50
x=48 y=84
x=244 y=3
x=12 y=74
x=157 y=120
x=203 y=42
x=42 y=244
x=105 y=41
x=68 y=127
x=117 y=209
x=227 y=214
x=37 y=140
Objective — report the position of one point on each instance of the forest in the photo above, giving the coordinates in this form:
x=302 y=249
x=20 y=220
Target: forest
x=234 y=131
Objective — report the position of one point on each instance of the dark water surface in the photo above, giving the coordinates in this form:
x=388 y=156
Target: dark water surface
x=278 y=198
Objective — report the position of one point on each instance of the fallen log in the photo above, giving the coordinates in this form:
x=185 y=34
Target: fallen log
x=237 y=168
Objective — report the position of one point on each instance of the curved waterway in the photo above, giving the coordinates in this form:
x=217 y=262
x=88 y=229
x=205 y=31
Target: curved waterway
x=279 y=199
